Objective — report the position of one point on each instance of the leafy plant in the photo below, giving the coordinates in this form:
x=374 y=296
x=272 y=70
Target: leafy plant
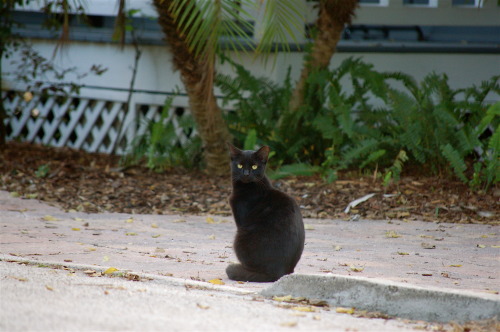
x=160 y=148
x=42 y=171
x=354 y=117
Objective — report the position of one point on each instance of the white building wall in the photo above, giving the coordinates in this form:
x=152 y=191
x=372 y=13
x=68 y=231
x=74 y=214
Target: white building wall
x=156 y=72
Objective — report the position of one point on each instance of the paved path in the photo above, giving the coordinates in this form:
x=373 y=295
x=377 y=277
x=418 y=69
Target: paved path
x=453 y=256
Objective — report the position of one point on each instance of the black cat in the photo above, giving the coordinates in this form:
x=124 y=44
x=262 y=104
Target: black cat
x=270 y=232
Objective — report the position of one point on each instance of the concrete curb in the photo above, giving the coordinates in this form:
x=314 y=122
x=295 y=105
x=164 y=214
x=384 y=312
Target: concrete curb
x=171 y=281
x=395 y=299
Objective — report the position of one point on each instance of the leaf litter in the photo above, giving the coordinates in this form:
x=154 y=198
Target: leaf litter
x=95 y=183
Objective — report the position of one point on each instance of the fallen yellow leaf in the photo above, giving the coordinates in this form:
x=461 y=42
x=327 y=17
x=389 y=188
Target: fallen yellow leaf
x=202 y=306
x=27 y=96
x=210 y=220
x=308 y=227
x=495 y=246
x=155 y=236
x=481 y=246
x=216 y=282
x=78 y=219
x=49 y=288
x=282 y=298
x=110 y=270
x=342 y=310
x=179 y=220
x=402 y=253
x=130 y=233
x=356 y=268
x=19 y=278
x=455 y=265
x=50 y=218
x=129 y=220
x=304 y=309
x=154 y=225
x=392 y=234
x=75 y=229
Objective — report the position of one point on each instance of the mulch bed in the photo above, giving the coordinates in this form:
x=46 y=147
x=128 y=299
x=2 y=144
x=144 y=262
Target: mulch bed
x=76 y=180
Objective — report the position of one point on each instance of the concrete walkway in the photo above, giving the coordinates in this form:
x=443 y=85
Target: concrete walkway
x=198 y=248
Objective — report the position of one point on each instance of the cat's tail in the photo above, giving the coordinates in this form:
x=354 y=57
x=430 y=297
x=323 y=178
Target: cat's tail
x=239 y=273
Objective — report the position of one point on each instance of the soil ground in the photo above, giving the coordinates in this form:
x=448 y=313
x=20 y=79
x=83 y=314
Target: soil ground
x=80 y=181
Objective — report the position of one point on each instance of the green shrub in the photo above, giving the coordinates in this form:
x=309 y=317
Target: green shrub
x=384 y=121
x=159 y=148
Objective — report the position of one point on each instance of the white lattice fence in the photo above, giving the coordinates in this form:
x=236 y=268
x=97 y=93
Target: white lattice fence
x=93 y=125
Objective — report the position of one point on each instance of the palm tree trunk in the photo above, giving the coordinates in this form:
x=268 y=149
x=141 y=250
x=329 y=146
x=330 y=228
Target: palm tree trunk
x=332 y=17
x=197 y=75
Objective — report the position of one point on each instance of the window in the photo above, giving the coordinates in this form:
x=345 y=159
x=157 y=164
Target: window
x=467 y=3
x=420 y=3
x=382 y=3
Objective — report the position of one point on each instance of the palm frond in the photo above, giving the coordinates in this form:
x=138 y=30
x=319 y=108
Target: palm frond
x=203 y=23
x=281 y=20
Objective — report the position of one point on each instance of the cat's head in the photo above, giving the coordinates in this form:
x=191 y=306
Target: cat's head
x=248 y=165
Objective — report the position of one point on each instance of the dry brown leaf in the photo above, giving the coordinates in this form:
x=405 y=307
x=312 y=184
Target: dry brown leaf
x=426 y=245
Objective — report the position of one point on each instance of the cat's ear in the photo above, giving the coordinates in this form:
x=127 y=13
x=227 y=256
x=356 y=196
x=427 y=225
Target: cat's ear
x=262 y=154
x=234 y=151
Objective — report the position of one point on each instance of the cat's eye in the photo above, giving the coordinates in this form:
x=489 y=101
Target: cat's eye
x=254 y=167
x=239 y=166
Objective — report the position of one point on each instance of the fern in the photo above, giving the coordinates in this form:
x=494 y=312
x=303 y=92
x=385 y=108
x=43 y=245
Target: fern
x=456 y=161
x=159 y=147
x=397 y=165
x=426 y=123
x=492 y=175
x=373 y=157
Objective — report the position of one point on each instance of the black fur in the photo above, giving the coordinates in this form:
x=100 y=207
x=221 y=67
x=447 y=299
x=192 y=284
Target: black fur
x=270 y=233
